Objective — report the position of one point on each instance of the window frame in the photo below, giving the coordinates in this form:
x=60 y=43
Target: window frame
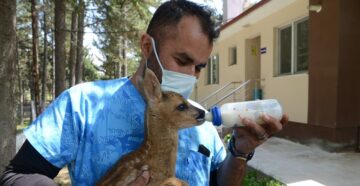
x=293 y=25
x=210 y=74
x=232 y=51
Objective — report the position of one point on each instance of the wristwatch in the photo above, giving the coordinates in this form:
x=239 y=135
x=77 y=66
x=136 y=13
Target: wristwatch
x=238 y=155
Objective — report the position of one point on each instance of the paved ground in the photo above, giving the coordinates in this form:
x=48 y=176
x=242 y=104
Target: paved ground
x=295 y=164
x=20 y=139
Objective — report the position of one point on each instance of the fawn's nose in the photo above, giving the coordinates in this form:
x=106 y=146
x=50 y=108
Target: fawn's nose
x=201 y=114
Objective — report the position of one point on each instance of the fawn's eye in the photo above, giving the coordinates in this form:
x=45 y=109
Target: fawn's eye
x=181 y=107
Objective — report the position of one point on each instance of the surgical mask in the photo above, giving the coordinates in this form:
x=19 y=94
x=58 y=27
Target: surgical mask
x=175 y=81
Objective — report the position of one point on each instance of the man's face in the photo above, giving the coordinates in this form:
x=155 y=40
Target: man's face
x=188 y=51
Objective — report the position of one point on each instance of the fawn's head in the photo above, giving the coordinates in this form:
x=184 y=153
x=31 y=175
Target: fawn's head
x=170 y=109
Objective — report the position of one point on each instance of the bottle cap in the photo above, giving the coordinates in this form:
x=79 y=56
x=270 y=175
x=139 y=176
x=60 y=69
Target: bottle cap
x=216 y=116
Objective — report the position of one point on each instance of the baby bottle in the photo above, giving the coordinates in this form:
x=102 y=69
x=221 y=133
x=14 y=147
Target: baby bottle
x=231 y=114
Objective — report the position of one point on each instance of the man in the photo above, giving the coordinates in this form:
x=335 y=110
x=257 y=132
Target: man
x=90 y=126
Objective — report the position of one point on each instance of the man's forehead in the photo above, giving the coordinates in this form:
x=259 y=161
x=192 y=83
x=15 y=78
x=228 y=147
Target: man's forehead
x=189 y=40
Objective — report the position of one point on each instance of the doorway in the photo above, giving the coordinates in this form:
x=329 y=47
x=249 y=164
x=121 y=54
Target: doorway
x=253 y=68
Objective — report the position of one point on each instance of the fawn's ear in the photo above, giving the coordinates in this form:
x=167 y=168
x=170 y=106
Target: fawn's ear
x=152 y=89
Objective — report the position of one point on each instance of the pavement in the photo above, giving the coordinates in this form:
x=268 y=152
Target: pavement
x=295 y=164
x=20 y=139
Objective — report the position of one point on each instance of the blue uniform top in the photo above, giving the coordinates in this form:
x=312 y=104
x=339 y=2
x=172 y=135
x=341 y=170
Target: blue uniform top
x=90 y=126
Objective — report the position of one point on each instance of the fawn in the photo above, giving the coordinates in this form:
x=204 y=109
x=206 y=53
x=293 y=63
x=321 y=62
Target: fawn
x=166 y=113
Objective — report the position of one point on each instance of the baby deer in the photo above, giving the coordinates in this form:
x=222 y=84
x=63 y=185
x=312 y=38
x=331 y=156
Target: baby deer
x=166 y=113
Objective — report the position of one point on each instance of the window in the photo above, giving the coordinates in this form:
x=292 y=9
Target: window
x=232 y=56
x=293 y=41
x=213 y=70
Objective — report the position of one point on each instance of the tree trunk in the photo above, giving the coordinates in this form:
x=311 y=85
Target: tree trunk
x=80 y=35
x=21 y=102
x=35 y=66
x=60 y=53
x=53 y=67
x=124 y=62
x=31 y=87
x=118 y=69
x=72 y=55
x=7 y=79
x=44 y=69
x=20 y=92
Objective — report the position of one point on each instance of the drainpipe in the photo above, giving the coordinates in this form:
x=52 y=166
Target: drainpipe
x=357 y=148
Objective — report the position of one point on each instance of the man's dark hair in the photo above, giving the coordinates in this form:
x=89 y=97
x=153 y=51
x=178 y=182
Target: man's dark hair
x=171 y=12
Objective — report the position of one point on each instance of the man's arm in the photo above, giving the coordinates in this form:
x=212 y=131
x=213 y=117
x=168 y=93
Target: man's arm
x=232 y=170
x=29 y=168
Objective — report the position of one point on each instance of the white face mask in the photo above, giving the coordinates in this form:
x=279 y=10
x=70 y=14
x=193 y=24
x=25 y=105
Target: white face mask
x=175 y=81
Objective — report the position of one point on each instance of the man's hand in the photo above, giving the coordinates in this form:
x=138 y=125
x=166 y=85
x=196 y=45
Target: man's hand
x=142 y=179
x=252 y=135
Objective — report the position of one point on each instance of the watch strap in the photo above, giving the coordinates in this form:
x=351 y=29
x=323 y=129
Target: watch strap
x=238 y=155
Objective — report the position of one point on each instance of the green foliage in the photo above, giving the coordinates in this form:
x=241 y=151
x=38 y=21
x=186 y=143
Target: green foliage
x=91 y=71
x=23 y=125
x=252 y=179
x=24 y=43
x=120 y=24
x=227 y=138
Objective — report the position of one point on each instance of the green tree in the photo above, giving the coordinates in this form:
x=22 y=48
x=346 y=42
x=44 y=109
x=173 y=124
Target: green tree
x=60 y=52
x=79 y=43
x=45 y=59
x=35 y=98
x=24 y=44
x=91 y=71
x=120 y=23
x=73 y=38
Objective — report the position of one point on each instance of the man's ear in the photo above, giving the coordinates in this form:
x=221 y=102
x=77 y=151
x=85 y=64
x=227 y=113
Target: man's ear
x=145 y=45
x=152 y=89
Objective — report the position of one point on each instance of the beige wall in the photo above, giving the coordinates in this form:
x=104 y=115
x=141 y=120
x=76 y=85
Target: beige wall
x=290 y=90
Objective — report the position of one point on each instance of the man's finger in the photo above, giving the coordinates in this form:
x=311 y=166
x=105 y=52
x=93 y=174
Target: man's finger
x=284 y=120
x=142 y=180
x=273 y=124
x=257 y=130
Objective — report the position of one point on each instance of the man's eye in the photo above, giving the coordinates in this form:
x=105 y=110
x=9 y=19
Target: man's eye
x=180 y=62
x=199 y=67
x=181 y=107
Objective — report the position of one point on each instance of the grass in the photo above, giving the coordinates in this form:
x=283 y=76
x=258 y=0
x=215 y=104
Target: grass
x=254 y=178
x=21 y=126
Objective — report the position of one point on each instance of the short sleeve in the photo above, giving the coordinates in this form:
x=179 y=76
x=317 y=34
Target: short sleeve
x=219 y=153
x=56 y=133
x=218 y=149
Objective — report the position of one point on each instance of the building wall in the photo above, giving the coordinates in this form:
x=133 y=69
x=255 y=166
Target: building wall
x=290 y=90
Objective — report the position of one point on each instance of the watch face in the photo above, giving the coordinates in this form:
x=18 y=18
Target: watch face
x=250 y=155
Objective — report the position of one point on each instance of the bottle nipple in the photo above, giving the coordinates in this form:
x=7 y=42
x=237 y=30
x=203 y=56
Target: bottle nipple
x=214 y=115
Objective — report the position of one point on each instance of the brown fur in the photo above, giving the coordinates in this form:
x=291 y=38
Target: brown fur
x=166 y=113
